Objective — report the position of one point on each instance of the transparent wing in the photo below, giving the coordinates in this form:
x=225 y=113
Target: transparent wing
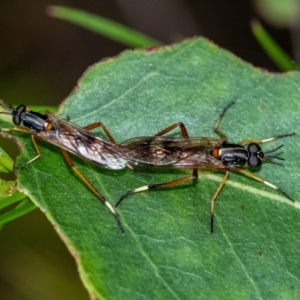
x=83 y=143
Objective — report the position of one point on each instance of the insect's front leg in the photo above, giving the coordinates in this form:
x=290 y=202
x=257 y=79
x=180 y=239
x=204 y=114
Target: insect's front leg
x=248 y=141
x=37 y=149
x=250 y=175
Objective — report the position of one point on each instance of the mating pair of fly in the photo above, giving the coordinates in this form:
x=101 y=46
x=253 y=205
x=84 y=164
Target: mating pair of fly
x=158 y=151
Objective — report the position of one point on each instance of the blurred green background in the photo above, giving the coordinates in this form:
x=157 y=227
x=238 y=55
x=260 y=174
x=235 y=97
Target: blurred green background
x=41 y=59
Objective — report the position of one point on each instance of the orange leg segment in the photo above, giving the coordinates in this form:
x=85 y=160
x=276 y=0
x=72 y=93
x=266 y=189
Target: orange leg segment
x=155 y=186
x=100 y=124
x=91 y=187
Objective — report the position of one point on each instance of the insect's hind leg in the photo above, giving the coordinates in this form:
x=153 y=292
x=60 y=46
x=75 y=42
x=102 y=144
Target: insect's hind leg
x=156 y=186
x=276 y=137
x=216 y=127
x=92 y=188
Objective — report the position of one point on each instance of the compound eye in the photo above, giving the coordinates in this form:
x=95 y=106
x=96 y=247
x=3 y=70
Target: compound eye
x=18 y=114
x=254 y=161
x=254 y=148
x=255 y=155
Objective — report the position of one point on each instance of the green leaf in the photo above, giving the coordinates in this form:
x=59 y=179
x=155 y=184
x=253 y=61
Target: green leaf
x=22 y=209
x=167 y=251
x=106 y=27
x=9 y=196
x=274 y=51
x=6 y=163
x=6 y=190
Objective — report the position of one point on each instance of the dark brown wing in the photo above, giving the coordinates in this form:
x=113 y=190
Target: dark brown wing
x=172 y=152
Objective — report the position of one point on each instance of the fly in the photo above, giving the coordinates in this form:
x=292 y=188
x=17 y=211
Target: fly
x=204 y=153
x=69 y=138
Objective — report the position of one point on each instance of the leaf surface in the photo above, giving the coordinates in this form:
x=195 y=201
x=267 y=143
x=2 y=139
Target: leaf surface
x=167 y=251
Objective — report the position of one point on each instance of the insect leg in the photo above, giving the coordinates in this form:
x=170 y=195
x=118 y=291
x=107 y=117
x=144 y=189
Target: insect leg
x=37 y=149
x=247 y=141
x=91 y=187
x=248 y=174
x=24 y=130
x=216 y=127
x=6 y=106
x=168 y=129
x=155 y=186
x=100 y=124
x=213 y=200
